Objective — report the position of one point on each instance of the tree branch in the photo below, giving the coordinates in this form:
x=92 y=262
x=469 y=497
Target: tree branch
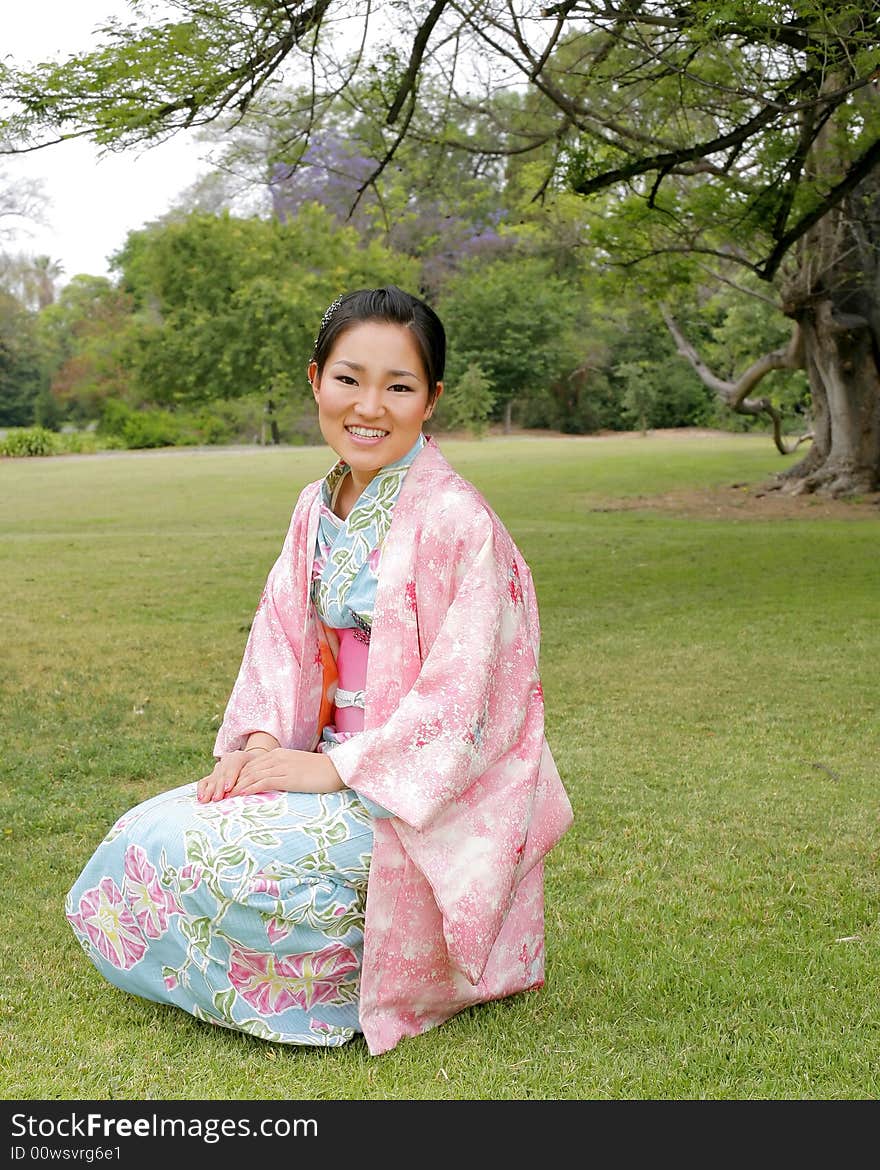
x=858 y=171
x=674 y=158
x=415 y=60
x=735 y=394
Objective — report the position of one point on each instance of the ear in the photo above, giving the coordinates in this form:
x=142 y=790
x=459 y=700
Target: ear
x=429 y=410
x=313 y=374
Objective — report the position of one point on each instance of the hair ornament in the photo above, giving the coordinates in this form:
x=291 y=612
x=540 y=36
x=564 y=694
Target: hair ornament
x=325 y=320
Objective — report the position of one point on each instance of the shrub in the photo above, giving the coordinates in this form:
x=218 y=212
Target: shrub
x=28 y=441
x=114 y=416
x=86 y=443
x=210 y=429
x=139 y=428
x=154 y=428
x=468 y=401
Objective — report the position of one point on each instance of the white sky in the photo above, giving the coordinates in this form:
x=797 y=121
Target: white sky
x=94 y=202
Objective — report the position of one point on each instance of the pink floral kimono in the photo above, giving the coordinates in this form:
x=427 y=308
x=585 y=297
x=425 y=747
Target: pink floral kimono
x=452 y=747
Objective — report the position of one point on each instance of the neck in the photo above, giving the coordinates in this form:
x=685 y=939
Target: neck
x=349 y=492
x=361 y=479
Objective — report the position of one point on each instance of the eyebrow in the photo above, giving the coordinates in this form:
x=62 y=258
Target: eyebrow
x=357 y=366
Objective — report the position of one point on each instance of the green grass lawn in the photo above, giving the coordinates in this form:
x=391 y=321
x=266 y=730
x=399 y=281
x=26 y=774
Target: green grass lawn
x=712 y=696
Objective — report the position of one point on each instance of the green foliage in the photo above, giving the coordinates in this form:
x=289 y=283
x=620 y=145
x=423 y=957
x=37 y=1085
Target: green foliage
x=227 y=307
x=583 y=402
x=86 y=443
x=158 y=427
x=83 y=339
x=731 y=328
x=47 y=410
x=727 y=124
x=139 y=428
x=247 y=419
x=467 y=402
x=21 y=376
x=682 y=400
x=21 y=441
x=212 y=309
x=129 y=87
x=652 y=384
x=743 y=328
x=514 y=318
x=640 y=393
x=662 y=394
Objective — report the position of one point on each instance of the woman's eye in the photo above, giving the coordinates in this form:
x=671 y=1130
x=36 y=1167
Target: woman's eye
x=400 y=386
x=346 y=379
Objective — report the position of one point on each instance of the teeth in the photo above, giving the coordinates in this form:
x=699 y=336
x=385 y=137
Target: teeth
x=367 y=432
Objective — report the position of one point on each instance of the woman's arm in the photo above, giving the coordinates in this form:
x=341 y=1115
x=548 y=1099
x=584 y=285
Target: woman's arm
x=263 y=696
x=262 y=740
x=476 y=694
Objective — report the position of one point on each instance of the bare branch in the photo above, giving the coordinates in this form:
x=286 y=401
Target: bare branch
x=740 y=288
x=370 y=180
x=735 y=393
x=22 y=200
x=420 y=43
x=674 y=158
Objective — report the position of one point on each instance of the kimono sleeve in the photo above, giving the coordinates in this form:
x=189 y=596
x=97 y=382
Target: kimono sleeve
x=263 y=697
x=467 y=706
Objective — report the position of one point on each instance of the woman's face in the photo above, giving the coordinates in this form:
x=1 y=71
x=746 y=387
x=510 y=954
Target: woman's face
x=372 y=396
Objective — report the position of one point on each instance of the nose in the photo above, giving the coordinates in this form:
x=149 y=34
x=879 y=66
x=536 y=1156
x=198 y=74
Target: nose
x=370 y=402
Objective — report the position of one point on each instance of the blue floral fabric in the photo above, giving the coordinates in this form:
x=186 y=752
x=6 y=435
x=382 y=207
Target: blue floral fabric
x=247 y=912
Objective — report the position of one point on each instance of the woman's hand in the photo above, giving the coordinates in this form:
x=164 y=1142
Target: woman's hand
x=226 y=772
x=278 y=770
x=286 y=770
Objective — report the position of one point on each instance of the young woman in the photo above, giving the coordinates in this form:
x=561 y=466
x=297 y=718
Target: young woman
x=367 y=853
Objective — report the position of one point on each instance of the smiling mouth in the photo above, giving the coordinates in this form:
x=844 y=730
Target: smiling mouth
x=367 y=432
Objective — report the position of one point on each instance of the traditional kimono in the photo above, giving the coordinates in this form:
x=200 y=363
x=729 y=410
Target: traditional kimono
x=418 y=889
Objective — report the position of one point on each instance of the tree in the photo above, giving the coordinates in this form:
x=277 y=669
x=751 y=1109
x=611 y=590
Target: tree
x=32 y=279
x=46 y=272
x=83 y=340
x=21 y=375
x=22 y=201
x=227 y=307
x=511 y=318
x=436 y=210
x=742 y=136
x=440 y=205
x=640 y=392
x=467 y=401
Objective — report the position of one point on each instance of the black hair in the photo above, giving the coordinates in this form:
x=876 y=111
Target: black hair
x=390 y=304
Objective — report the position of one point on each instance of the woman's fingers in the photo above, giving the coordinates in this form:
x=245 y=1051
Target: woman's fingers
x=215 y=786
x=223 y=781
x=260 y=775
x=206 y=786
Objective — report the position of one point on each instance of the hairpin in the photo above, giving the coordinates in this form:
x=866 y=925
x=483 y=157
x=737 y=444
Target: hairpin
x=325 y=320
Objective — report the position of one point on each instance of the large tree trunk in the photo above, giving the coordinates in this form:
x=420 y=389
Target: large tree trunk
x=841 y=354
x=834 y=296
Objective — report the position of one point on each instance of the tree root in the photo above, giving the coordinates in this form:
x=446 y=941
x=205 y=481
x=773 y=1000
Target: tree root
x=833 y=480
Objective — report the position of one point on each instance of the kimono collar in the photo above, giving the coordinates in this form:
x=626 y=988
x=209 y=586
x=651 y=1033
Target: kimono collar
x=347 y=552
